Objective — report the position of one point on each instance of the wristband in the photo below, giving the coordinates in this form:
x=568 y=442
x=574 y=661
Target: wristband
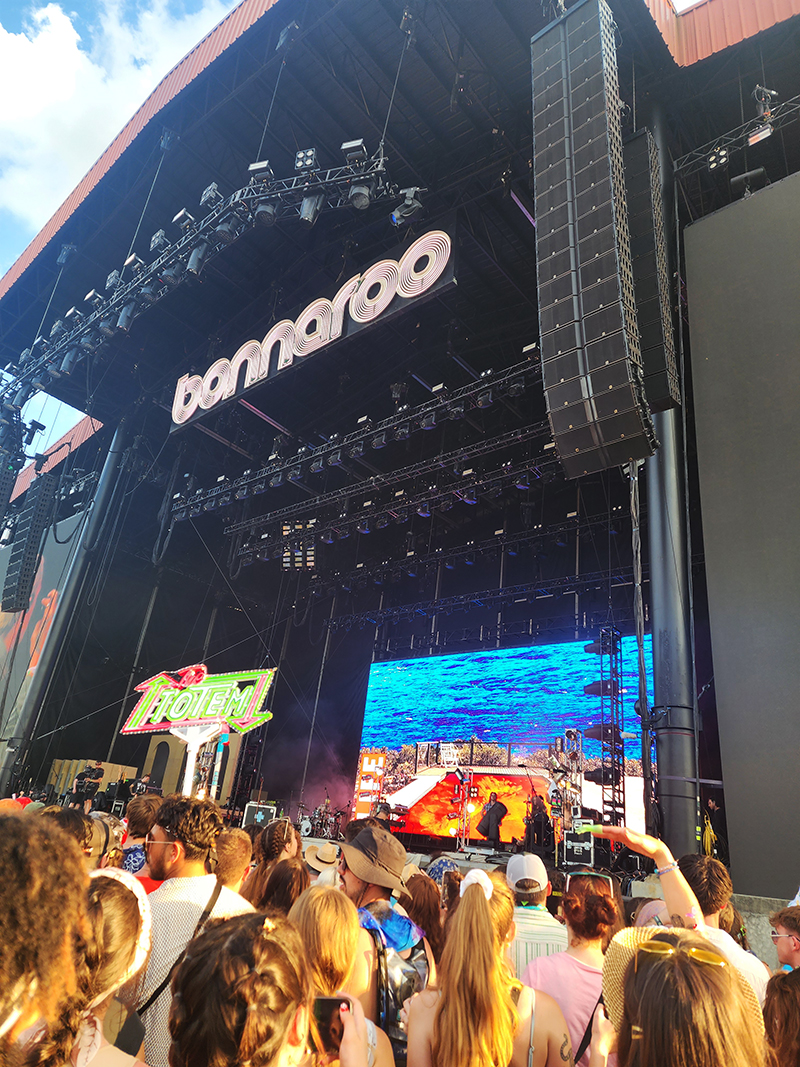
x=666 y=870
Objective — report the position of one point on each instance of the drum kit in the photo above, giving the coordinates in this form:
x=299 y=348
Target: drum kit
x=322 y=822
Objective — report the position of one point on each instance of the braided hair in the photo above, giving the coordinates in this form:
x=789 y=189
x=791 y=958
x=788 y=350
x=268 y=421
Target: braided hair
x=276 y=837
x=236 y=993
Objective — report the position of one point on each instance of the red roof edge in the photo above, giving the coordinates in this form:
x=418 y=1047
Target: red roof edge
x=714 y=25
x=201 y=56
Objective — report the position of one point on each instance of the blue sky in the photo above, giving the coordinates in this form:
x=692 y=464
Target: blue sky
x=71 y=75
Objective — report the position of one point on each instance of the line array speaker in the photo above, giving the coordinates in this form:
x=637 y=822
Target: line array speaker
x=589 y=338
x=8 y=479
x=30 y=528
x=651 y=272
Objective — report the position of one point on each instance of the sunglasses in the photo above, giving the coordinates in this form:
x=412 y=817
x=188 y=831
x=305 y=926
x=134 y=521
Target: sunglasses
x=663 y=948
x=589 y=874
x=775 y=935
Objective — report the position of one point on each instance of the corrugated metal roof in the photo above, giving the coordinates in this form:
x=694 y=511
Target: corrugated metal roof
x=200 y=57
x=58 y=452
x=716 y=24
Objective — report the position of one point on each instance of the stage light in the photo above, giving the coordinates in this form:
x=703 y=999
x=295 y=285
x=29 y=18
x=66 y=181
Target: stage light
x=306 y=159
x=328 y=537
x=173 y=276
x=410 y=206
x=456 y=411
x=41 y=382
x=354 y=151
x=402 y=432
x=266 y=212
x=294 y=475
x=73 y=317
x=379 y=440
x=158 y=241
x=197 y=258
x=287 y=36
x=445 y=504
x=485 y=399
x=112 y=281
x=516 y=389
x=260 y=172
x=424 y=510
x=381 y=522
x=211 y=195
x=66 y=253
x=90 y=342
x=360 y=195
x=226 y=231
x=469 y=559
x=363 y=527
x=523 y=481
x=761 y=133
x=428 y=422
x=317 y=465
x=135 y=263
x=93 y=298
x=356 y=451
x=717 y=157
x=335 y=459
x=310 y=208
x=57 y=330
x=126 y=316
x=184 y=220
x=276 y=480
x=469 y=496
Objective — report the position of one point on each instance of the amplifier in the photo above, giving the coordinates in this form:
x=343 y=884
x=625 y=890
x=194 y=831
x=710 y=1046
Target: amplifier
x=259 y=814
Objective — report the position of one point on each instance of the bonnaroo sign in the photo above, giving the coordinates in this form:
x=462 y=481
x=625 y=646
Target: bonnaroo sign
x=384 y=288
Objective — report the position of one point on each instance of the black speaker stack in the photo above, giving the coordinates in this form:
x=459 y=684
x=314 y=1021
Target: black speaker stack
x=589 y=338
x=32 y=522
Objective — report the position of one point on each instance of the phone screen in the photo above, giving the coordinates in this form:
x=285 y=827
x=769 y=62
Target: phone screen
x=329 y=1023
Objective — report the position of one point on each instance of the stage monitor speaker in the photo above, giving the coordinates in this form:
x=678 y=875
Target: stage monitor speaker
x=259 y=814
x=651 y=272
x=589 y=339
x=30 y=528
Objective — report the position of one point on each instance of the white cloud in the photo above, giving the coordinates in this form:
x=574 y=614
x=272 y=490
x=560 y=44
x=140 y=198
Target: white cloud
x=66 y=96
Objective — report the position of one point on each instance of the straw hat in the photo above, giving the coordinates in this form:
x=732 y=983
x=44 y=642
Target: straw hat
x=321 y=857
x=621 y=953
x=376 y=857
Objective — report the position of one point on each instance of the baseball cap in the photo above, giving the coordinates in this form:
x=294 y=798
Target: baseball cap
x=525 y=866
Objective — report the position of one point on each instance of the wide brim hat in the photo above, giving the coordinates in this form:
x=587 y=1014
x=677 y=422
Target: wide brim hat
x=322 y=857
x=376 y=857
x=620 y=954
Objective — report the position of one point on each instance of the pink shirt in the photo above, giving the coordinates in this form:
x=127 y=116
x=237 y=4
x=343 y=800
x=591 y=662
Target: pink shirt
x=576 y=987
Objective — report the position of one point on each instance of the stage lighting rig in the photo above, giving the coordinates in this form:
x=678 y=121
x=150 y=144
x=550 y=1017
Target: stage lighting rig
x=260 y=172
x=66 y=254
x=158 y=241
x=211 y=196
x=197 y=258
x=113 y=281
x=135 y=263
x=306 y=159
x=92 y=297
x=184 y=220
x=410 y=207
x=310 y=208
x=354 y=152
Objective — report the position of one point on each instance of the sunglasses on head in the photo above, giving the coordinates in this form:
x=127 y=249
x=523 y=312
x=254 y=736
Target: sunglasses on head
x=589 y=874
x=663 y=948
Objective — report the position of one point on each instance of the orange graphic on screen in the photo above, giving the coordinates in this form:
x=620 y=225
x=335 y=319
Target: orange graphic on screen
x=437 y=812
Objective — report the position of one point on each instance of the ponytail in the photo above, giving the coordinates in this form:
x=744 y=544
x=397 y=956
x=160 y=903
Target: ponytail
x=476 y=1019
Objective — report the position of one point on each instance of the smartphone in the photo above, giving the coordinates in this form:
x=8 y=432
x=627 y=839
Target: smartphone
x=329 y=1024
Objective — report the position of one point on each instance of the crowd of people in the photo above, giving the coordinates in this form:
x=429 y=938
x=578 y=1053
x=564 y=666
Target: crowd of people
x=174 y=941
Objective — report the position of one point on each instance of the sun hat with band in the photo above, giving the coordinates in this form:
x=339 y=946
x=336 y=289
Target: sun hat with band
x=322 y=857
x=376 y=857
x=622 y=952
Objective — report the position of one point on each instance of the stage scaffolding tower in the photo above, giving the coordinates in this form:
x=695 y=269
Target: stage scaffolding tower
x=613 y=745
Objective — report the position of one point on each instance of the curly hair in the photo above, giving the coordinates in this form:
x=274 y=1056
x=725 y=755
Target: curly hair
x=196 y=823
x=590 y=908
x=42 y=919
x=236 y=993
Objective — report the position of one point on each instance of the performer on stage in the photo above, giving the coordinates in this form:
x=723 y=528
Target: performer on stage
x=140 y=786
x=492 y=814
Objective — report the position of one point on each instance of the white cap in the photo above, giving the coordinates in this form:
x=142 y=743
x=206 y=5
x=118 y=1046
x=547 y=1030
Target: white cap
x=526 y=866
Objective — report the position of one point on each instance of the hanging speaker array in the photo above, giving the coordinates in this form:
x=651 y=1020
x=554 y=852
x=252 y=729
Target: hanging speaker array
x=33 y=520
x=589 y=339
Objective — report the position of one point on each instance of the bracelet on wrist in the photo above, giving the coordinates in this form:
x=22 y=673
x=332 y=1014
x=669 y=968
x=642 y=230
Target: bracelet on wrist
x=666 y=870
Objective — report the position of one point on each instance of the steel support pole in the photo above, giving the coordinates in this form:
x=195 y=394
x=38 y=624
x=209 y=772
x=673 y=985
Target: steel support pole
x=24 y=728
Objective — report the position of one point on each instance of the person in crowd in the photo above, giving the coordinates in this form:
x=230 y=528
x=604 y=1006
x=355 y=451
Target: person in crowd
x=425 y=910
x=234 y=852
x=711 y=884
x=332 y=938
x=111 y=852
x=355 y=826
x=437 y=867
x=141 y=814
x=73 y=822
x=537 y=933
x=575 y=976
x=451 y=883
x=732 y=922
x=116 y=949
x=43 y=921
x=278 y=841
x=478 y=1014
x=786 y=936
x=371 y=869
x=319 y=858
x=244 y=996
x=672 y=999
x=782 y=1018
x=179 y=847
x=287 y=880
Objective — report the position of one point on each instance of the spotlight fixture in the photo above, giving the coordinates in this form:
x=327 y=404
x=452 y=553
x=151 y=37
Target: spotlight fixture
x=356 y=451
x=112 y=281
x=469 y=496
x=335 y=458
x=428 y=422
x=158 y=241
x=134 y=262
x=184 y=220
x=306 y=159
x=402 y=432
x=66 y=254
x=317 y=465
x=379 y=440
x=226 y=231
x=310 y=208
x=360 y=195
x=410 y=206
x=760 y=133
x=173 y=276
x=328 y=537
x=126 y=316
x=57 y=330
x=485 y=399
x=90 y=342
x=69 y=361
x=364 y=527
x=93 y=298
x=294 y=475
x=211 y=195
x=260 y=172
x=523 y=481
x=717 y=157
x=516 y=389
x=73 y=317
x=424 y=510
x=197 y=258
x=266 y=212
x=149 y=293
x=354 y=151
x=276 y=480
x=456 y=410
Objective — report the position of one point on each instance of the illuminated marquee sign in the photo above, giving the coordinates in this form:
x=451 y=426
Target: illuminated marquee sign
x=383 y=289
x=193 y=697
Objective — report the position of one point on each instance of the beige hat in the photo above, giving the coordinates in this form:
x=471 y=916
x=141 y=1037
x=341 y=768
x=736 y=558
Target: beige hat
x=321 y=857
x=622 y=951
x=376 y=857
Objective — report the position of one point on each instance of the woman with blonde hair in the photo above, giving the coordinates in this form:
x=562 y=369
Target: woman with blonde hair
x=332 y=938
x=479 y=1015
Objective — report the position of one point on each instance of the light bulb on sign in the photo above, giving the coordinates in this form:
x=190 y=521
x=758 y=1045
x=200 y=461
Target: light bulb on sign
x=453 y=831
x=470 y=808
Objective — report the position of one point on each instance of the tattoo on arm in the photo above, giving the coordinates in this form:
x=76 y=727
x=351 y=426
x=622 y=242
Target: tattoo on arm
x=566 y=1050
